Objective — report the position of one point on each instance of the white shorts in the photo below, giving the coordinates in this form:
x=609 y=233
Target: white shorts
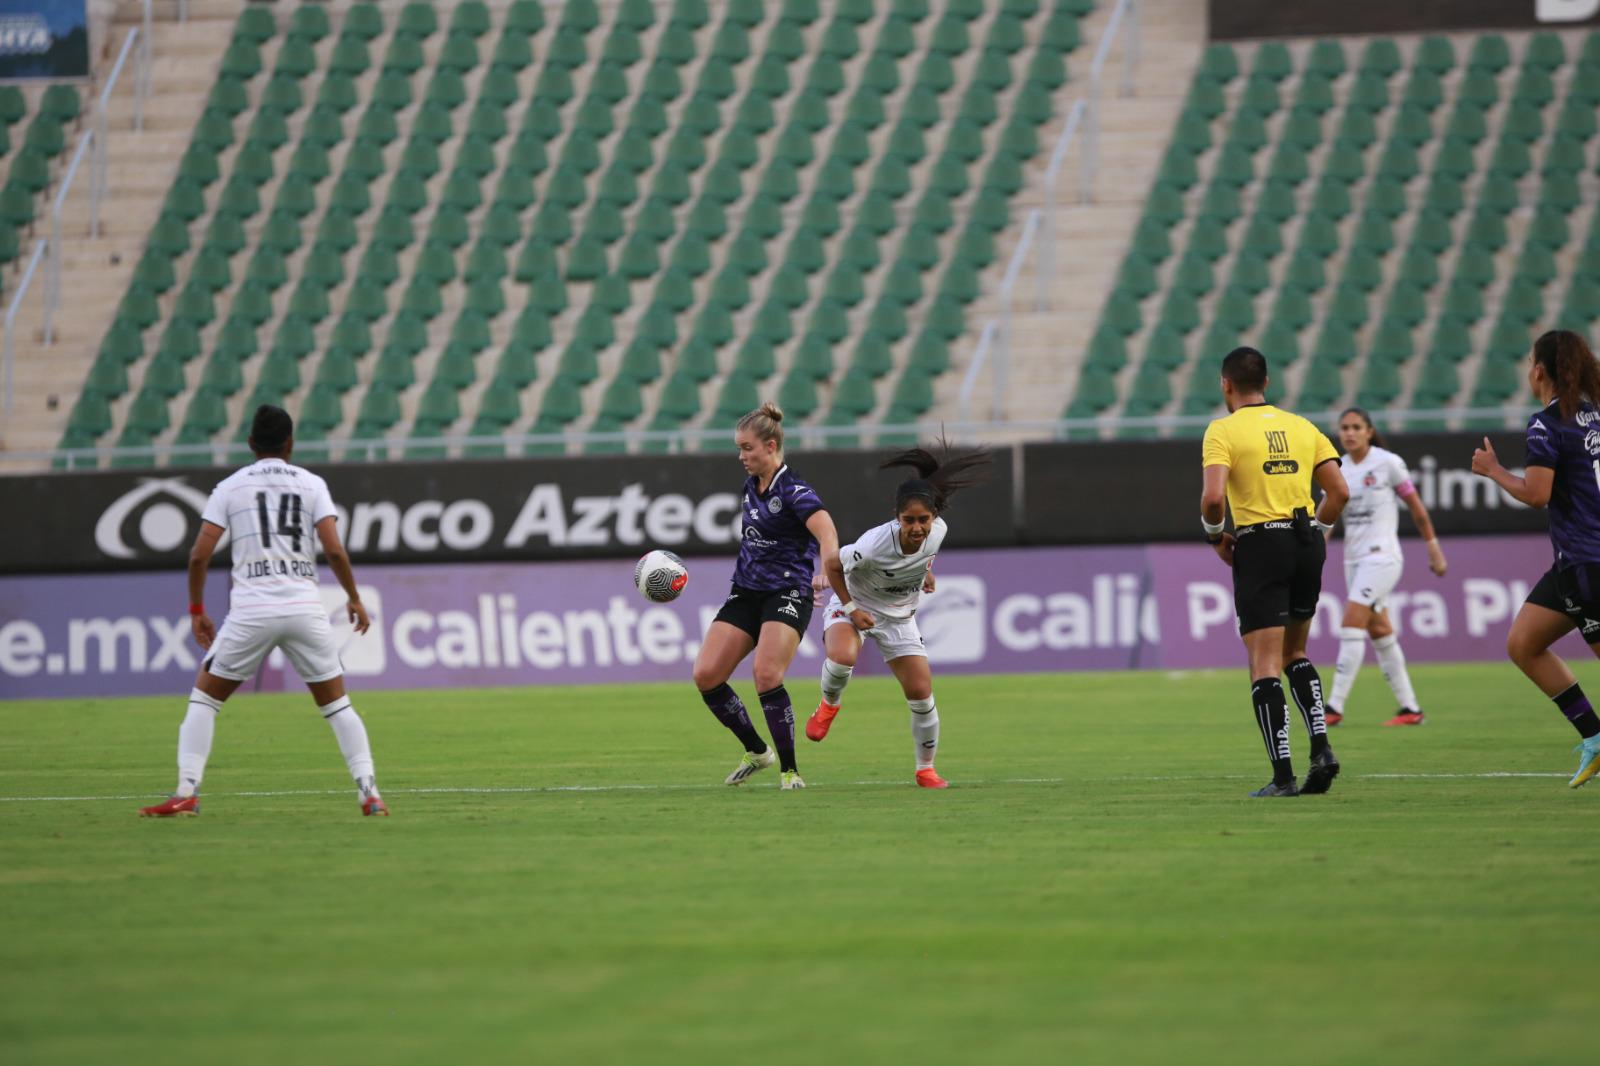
x=1370 y=578
x=306 y=640
x=895 y=637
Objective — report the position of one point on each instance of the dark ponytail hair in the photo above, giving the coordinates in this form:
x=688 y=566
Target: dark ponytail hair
x=938 y=476
x=1377 y=440
x=1571 y=366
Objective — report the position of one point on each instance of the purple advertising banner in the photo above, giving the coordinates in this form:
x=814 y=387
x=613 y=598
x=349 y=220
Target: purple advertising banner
x=1023 y=610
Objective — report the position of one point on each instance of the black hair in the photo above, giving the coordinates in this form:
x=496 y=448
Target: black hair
x=1377 y=440
x=938 y=476
x=1246 y=368
x=1571 y=367
x=270 y=430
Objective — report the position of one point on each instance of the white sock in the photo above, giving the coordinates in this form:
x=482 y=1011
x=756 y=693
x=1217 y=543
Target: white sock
x=352 y=736
x=1352 y=649
x=924 y=730
x=834 y=679
x=1393 y=663
x=194 y=740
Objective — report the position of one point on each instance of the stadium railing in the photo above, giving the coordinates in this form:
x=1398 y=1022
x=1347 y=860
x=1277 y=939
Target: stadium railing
x=701 y=440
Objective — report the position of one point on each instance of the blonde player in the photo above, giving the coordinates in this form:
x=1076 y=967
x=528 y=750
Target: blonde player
x=276 y=514
x=1372 y=562
x=878 y=584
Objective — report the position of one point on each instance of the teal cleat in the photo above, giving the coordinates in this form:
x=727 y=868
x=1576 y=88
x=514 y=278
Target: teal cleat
x=1588 y=762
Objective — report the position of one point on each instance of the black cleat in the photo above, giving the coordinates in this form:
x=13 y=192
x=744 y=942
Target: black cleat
x=1324 y=768
x=1272 y=790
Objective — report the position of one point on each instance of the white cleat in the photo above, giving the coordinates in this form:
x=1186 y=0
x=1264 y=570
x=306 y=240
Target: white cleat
x=749 y=765
x=791 y=779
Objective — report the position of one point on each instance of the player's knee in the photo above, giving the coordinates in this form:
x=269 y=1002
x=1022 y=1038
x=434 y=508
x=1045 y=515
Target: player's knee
x=707 y=677
x=1380 y=630
x=917 y=692
x=1519 y=649
x=844 y=655
x=768 y=676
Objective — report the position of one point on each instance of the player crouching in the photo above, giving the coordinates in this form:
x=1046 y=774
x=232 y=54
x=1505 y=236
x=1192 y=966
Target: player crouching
x=878 y=584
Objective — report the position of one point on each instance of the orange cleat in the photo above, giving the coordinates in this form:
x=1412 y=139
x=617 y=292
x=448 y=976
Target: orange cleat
x=374 y=805
x=1331 y=717
x=821 y=719
x=1407 y=718
x=173 y=807
x=929 y=778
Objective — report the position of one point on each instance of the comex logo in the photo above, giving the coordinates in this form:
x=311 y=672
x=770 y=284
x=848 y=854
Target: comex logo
x=953 y=620
x=168 y=505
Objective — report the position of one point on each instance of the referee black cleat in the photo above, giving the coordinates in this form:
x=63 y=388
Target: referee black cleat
x=1324 y=768
x=1272 y=790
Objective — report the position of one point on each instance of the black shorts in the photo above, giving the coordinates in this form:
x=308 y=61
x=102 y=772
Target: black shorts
x=1277 y=575
x=1575 y=592
x=749 y=608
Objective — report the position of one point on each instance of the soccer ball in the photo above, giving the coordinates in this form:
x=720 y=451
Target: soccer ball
x=660 y=575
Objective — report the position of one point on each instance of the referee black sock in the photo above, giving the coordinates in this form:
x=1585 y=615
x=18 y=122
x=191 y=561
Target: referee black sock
x=1575 y=705
x=1306 y=684
x=1272 y=715
x=729 y=709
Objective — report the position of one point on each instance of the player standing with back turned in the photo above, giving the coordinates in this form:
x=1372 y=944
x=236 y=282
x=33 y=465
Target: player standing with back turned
x=276 y=514
x=1260 y=462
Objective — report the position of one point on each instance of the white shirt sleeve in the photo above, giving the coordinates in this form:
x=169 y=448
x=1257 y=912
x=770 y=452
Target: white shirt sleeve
x=322 y=506
x=1399 y=475
x=216 y=511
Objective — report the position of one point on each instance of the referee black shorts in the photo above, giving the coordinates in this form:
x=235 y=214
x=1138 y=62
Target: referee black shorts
x=1277 y=575
x=1575 y=592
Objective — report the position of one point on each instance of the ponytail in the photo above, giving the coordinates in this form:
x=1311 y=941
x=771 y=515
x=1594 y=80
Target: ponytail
x=1571 y=367
x=765 y=422
x=938 y=476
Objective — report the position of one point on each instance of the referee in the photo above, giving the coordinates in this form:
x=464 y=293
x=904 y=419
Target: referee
x=1260 y=462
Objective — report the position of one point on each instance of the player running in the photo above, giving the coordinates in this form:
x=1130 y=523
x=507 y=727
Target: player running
x=1563 y=474
x=1372 y=563
x=270 y=509
x=878 y=584
x=769 y=606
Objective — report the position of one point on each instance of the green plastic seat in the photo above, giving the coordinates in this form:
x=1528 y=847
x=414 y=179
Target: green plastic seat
x=1218 y=64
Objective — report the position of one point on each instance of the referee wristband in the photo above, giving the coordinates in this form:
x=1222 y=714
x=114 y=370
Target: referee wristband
x=848 y=608
x=1212 y=528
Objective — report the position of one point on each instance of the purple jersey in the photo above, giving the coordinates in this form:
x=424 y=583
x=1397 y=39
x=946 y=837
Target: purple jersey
x=1571 y=448
x=778 y=551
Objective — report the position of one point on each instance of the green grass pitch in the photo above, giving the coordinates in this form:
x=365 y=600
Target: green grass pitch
x=1096 y=887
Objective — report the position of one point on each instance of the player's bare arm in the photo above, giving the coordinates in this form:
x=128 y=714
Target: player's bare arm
x=821 y=527
x=205 y=546
x=1214 y=511
x=1424 y=523
x=1532 y=488
x=339 y=563
x=1335 y=492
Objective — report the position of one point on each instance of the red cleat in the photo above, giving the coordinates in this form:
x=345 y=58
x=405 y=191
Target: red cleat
x=1331 y=717
x=821 y=718
x=173 y=807
x=1407 y=718
x=373 y=805
x=929 y=778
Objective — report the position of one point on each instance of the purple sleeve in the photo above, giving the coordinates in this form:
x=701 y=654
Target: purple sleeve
x=1543 y=448
x=805 y=501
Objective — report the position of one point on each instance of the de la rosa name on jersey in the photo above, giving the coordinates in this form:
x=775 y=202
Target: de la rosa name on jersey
x=883 y=580
x=1570 y=447
x=1372 y=517
x=270 y=510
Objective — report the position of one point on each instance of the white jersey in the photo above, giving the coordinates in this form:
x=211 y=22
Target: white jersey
x=1372 y=517
x=883 y=580
x=270 y=510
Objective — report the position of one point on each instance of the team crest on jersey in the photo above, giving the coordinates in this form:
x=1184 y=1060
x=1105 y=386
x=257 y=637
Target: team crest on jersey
x=775 y=505
x=1370 y=480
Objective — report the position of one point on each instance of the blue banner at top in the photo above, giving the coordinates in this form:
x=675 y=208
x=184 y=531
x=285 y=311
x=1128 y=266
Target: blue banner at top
x=44 y=39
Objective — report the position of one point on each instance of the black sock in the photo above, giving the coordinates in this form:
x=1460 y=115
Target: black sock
x=1272 y=715
x=1575 y=705
x=1306 y=684
x=780 y=723
x=729 y=709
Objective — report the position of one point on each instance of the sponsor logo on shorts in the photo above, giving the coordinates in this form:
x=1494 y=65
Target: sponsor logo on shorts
x=788 y=609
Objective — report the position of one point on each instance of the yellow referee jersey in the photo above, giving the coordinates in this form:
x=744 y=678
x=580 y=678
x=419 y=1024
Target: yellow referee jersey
x=1269 y=454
